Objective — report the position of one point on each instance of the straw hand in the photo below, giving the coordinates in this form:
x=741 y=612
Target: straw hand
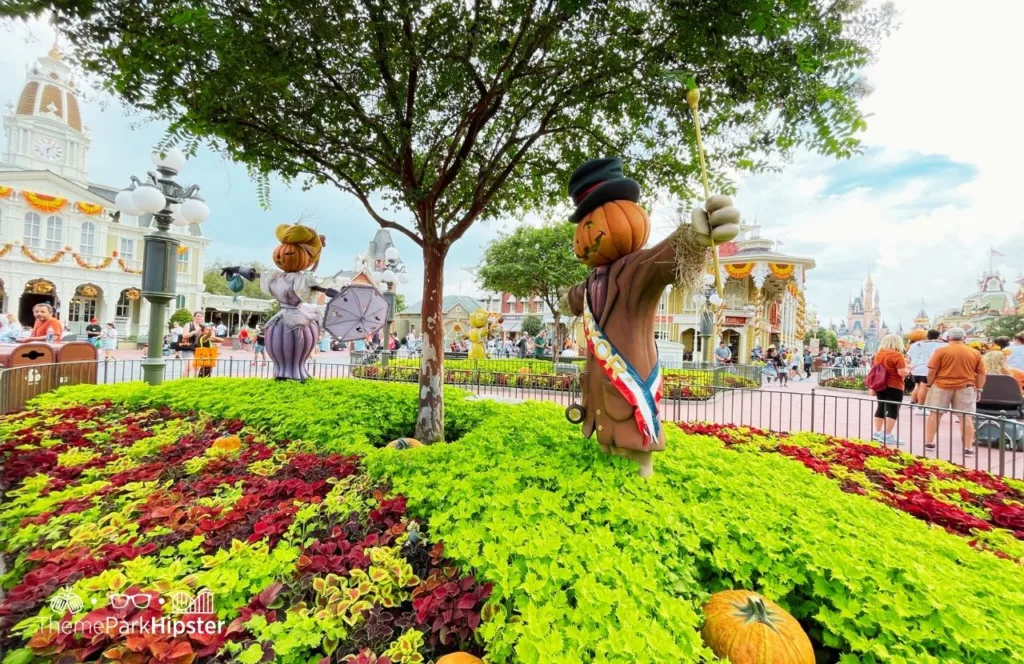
x=717 y=222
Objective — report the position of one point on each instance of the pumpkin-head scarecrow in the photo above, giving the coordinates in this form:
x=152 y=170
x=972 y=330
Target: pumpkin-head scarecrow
x=622 y=383
x=292 y=332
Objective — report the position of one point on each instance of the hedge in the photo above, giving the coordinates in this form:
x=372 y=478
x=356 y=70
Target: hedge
x=591 y=563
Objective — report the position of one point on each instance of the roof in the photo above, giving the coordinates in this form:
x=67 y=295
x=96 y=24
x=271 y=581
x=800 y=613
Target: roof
x=449 y=301
x=380 y=243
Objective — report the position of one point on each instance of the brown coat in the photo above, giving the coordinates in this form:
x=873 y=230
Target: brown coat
x=632 y=288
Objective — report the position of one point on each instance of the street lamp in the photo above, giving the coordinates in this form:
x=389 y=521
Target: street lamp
x=707 y=301
x=169 y=203
x=392 y=275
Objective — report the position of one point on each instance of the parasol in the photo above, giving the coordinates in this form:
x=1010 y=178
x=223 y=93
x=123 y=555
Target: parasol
x=357 y=311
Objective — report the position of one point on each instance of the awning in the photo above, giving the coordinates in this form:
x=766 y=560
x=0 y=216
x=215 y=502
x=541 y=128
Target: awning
x=512 y=326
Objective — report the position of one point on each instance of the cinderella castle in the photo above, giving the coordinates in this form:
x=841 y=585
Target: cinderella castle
x=864 y=326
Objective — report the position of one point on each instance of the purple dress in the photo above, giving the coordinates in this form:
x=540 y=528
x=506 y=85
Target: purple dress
x=292 y=332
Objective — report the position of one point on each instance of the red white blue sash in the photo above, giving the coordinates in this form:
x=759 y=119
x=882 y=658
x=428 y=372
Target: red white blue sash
x=643 y=395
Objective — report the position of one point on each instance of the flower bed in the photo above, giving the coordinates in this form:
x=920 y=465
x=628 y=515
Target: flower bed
x=539 y=375
x=986 y=509
x=589 y=563
x=305 y=557
x=844 y=383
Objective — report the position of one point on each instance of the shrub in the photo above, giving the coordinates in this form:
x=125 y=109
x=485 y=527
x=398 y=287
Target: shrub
x=590 y=563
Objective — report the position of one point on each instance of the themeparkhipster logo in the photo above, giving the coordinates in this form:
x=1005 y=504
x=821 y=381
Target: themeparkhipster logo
x=186 y=614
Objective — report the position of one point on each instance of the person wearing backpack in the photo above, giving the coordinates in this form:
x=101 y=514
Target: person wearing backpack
x=885 y=381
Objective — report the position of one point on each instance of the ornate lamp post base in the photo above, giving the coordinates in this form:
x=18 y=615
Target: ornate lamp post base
x=159 y=274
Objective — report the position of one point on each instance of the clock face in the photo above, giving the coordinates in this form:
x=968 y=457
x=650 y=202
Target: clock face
x=48 y=149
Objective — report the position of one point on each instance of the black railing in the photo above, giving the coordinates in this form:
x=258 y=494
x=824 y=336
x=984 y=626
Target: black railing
x=998 y=437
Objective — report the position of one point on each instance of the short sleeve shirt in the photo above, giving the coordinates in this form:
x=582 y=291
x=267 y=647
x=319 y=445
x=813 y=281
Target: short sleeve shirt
x=892 y=361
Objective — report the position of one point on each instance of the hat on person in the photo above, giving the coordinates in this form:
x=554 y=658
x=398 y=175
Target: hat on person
x=597 y=182
x=956 y=334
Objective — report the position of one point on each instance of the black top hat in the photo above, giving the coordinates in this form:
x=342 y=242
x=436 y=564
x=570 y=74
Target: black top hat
x=597 y=182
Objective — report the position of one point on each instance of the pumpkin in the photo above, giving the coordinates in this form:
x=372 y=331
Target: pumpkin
x=478 y=318
x=610 y=232
x=227 y=444
x=524 y=370
x=917 y=335
x=460 y=658
x=745 y=628
x=292 y=257
x=404 y=443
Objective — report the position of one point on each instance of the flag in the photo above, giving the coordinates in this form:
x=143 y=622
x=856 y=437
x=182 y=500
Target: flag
x=996 y=253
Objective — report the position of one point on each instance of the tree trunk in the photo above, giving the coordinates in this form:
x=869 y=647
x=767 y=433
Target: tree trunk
x=430 y=420
x=556 y=348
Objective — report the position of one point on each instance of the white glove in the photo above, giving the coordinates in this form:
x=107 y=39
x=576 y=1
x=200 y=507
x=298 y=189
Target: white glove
x=718 y=220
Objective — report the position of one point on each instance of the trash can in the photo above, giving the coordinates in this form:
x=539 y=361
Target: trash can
x=76 y=363
x=28 y=370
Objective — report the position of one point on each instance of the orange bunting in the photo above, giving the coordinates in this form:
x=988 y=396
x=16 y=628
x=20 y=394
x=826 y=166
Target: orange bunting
x=781 y=270
x=43 y=202
x=102 y=265
x=5 y=191
x=124 y=267
x=90 y=209
x=739 y=270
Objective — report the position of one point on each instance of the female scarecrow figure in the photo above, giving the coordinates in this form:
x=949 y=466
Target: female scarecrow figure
x=622 y=382
x=293 y=331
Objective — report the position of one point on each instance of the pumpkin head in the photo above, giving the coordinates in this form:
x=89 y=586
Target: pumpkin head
x=460 y=658
x=745 y=628
x=478 y=318
x=610 y=232
x=299 y=249
x=292 y=258
x=404 y=443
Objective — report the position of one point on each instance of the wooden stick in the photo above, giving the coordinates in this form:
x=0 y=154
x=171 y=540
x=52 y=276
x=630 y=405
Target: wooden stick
x=692 y=99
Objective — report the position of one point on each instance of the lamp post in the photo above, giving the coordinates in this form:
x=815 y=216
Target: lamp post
x=707 y=300
x=392 y=275
x=169 y=203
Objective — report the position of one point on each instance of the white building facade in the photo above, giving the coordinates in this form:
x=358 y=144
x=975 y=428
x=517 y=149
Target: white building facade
x=61 y=239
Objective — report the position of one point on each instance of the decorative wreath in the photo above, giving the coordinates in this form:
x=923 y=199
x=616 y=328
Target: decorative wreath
x=39 y=287
x=88 y=291
x=132 y=294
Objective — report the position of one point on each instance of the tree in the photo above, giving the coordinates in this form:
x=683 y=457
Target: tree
x=182 y=316
x=454 y=111
x=534 y=262
x=532 y=325
x=216 y=284
x=400 y=303
x=1005 y=326
x=827 y=338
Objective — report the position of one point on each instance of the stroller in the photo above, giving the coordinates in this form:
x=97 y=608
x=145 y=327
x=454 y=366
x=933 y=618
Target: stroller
x=1002 y=397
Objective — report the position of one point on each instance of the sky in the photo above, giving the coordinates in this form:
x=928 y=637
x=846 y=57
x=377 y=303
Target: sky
x=919 y=209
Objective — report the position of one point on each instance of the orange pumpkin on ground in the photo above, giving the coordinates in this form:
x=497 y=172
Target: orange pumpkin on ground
x=460 y=658
x=404 y=443
x=746 y=628
x=610 y=232
x=227 y=444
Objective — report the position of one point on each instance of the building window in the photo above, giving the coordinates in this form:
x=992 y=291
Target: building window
x=81 y=310
x=88 y=243
x=179 y=302
x=123 y=308
x=127 y=249
x=32 y=230
x=183 y=261
x=54 y=228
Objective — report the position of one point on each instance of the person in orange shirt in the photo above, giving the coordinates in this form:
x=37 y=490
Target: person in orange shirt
x=45 y=324
x=956 y=379
x=890 y=356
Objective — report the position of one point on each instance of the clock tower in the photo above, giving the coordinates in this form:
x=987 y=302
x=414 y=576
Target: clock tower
x=44 y=131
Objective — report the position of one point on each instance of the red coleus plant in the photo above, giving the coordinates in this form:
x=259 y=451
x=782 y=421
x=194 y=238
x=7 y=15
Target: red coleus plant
x=448 y=608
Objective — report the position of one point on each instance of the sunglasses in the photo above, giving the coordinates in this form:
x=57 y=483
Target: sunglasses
x=121 y=601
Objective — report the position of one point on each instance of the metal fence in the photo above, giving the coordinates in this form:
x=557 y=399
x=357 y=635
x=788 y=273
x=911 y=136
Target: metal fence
x=998 y=437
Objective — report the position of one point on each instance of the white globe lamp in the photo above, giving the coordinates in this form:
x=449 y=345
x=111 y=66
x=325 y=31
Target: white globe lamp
x=709 y=279
x=123 y=202
x=403 y=278
x=715 y=300
x=148 y=199
x=391 y=254
x=177 y=218
x=195 y=211
x=377 y=276
x=171 y=158
x=389 y=277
